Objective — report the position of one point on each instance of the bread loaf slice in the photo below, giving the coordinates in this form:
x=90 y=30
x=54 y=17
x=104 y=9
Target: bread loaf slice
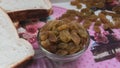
x=6 y=25
x=26 y=9
x=13 y=50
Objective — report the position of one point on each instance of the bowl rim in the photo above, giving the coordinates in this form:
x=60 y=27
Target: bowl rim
x=75 y=54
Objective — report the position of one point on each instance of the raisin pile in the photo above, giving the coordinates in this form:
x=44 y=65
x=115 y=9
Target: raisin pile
x=63 y=37
x=87 y=17
x=94 y=4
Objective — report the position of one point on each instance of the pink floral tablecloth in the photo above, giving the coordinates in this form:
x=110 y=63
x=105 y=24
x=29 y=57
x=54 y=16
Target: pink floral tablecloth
x=85 y=61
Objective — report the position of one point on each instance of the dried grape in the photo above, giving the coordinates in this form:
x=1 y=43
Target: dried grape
x=87 y=12
x=93 y=18
x=65 y=36
x=79 y=6
x=62 y=45
x=76 y=49
x=52 y=37
x=52 y=48
x=98 y=23
x=71 y=11
x=62 y=52
x=117 y=23
x=82 y=33
x=87 y=24
x=75 y=37
x=63 y=27
x=89 y=4
x=97 y=29
x=116 y=9
x=71 y=46
x=103 y=18
x=45 y=43
x=74 y=2
x=106 y=26
x=44 y=36
x=99 y=5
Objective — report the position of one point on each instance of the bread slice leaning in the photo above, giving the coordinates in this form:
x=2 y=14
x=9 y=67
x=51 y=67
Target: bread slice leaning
x=6 y=25
x=26 y=9
x=13 y=50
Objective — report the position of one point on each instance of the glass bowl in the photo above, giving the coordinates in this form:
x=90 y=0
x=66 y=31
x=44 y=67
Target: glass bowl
x=66 y=58
x=61 y=58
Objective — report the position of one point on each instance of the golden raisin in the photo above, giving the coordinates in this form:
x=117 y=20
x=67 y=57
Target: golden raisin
x=93 y=18
x=62 y=27
x=97 y=29
x=116 y=9
x=75 y=37
x=99 y=5
x=98 y=23
x=74 y=2
x=43 y=36
x=52 y=37
x=62 y=52
x=79 y=6
x=103 y=18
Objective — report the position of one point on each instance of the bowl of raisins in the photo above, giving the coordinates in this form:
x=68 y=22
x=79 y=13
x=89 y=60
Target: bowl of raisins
x=63 y=40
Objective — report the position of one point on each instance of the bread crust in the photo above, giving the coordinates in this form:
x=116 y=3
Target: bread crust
x=29 y=14
x=23 y=63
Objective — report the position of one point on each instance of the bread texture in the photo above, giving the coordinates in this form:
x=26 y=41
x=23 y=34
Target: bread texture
x=19 y=10
x=13 y=50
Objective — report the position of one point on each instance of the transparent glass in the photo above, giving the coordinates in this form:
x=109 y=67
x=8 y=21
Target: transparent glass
x=67 y=58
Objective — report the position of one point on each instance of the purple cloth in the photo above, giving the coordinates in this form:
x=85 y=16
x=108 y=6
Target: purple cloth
x=85 y=61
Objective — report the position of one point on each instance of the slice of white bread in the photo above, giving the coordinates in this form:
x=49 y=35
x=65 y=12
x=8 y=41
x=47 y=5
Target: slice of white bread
x=6 y=25
x=13 y=50
x=26 y=9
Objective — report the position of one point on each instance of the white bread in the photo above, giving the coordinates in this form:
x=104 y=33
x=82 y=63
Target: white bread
x=6 y=25
x=25 y=9
x=13 y=50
